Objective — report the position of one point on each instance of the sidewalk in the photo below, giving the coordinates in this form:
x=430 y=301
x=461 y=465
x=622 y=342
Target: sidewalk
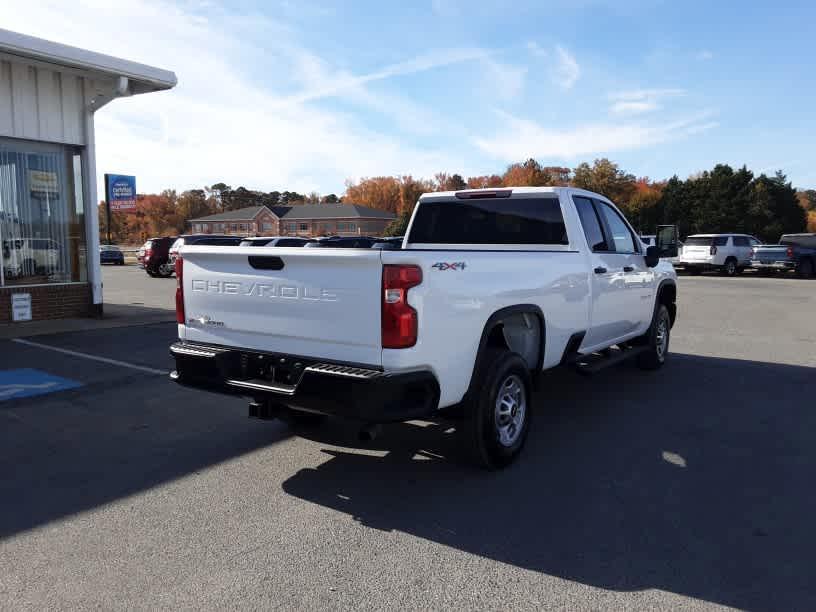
x=116 y=315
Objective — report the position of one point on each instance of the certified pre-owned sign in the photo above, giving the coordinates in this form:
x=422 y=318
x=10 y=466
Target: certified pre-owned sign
x=120 y=190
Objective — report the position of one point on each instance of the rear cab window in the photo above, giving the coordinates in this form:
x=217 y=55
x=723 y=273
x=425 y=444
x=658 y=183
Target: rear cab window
x=591 y=224
x=515 y=220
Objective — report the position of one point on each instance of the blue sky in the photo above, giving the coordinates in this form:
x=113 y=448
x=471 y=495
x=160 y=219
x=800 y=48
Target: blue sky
x=304 y=94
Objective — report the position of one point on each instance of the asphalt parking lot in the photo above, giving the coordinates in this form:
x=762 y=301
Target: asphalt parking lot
x=690 y=487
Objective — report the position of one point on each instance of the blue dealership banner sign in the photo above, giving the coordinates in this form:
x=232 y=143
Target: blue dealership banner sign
x=120 y=192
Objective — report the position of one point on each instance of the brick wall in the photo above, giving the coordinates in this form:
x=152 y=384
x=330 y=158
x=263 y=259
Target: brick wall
x=50 y=301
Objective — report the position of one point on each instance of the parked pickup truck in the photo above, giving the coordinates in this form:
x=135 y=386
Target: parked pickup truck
x=795 y=252
x=490 y=288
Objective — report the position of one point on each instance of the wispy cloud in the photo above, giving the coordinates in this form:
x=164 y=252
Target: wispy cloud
x=567 y=70
x=519 y=138
x=562 y=66
x=505 y=81
x=640 y=101
x=343 y=82
x=704 y=55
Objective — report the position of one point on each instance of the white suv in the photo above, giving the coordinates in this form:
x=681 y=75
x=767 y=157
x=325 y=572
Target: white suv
x=728 y=253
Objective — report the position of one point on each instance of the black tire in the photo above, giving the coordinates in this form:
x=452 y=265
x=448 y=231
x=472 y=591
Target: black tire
x=656 y=341
x=164 y=271
x=150 y=273
x=491 y=446
x=805 y=269
x=730 y=267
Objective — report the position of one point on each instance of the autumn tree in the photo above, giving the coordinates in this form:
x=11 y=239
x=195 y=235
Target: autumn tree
x=807 y=199
x=380 y=192
x=642 y=208
x=449 y=182
x=527 y=174
x=484 y=181
x=606 y=178
x=194 y=203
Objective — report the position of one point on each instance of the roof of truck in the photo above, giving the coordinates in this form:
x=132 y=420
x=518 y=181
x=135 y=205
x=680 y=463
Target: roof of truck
x=715 y=235
x=515 y=190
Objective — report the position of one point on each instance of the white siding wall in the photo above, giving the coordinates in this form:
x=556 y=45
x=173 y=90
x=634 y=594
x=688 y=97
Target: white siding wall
x=41 y=104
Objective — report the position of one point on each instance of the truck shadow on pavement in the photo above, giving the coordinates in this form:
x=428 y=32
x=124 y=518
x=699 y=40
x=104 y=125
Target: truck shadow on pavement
x=698 y=480
x=89 y=447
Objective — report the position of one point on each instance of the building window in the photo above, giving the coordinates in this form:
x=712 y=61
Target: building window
x=291 y=227
x=197 y=227
x=42 y=218
x=346 y=227
x=304 y=227
x=234 y=227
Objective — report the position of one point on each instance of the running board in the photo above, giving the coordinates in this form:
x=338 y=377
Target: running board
x=594 y=363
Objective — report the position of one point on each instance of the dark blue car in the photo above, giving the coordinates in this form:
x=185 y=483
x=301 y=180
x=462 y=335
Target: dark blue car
x=110 y=254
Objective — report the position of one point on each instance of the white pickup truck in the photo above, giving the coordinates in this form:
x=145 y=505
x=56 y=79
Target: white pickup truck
x=490 y=288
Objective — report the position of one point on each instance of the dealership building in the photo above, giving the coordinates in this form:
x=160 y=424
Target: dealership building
x=305 y=220
x=49 y=230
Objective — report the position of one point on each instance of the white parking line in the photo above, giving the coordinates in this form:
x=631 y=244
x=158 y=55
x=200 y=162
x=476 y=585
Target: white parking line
x=116 y=362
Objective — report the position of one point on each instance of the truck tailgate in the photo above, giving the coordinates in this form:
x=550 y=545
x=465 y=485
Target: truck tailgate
x=320 y=303
x=770 y=254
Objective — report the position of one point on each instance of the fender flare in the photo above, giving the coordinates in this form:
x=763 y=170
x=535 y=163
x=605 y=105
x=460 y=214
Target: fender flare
x=665 y=284
x=493 y=321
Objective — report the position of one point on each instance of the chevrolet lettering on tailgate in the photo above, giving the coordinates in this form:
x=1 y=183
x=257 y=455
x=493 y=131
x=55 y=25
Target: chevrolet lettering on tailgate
x=265 y=290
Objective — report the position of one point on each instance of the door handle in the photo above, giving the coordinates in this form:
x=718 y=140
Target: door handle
x=628 y=269
x=600 y=270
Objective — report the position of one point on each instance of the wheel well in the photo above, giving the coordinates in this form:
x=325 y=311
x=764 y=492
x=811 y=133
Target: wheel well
x=667 y=295
x=510 y=328
x=520 y=333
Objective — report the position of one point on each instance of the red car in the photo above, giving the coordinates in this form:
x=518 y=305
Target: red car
x=154 y=257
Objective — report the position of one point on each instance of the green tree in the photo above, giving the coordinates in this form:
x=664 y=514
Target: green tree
x=398 y=226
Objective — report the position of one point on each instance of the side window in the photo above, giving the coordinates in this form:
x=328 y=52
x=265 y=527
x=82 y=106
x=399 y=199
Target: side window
x=590 y=223
x=754 y=242
x=741 y=241
x=621 y=235
x=721 y=241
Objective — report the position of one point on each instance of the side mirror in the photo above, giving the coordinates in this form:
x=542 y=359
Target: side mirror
x=667 y=240
x=652 y=256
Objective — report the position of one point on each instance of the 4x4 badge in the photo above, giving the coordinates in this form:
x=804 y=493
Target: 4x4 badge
x=444 y=265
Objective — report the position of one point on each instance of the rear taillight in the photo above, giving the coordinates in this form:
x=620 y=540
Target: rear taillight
x=790 y=252
x=180 y=291
x=399 y=320
x=712 y=250
x=148 y=253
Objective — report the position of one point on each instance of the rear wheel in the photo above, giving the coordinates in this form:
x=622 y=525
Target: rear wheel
x=165 y=271
x=656 y=341
x=730 y=267
x=498 y=419
x=805 y=269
